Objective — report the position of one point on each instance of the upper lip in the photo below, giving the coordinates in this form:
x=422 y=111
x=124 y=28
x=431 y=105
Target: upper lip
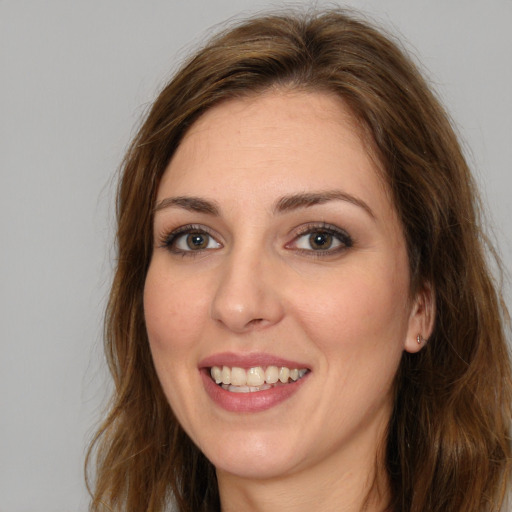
x=250 y=360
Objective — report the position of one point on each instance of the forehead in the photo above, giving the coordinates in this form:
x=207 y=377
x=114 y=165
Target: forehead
x=271 y=142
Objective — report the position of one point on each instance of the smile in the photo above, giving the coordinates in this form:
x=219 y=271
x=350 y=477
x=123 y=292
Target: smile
x=258 y=378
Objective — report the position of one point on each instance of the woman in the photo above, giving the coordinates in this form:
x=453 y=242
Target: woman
x=302 y=315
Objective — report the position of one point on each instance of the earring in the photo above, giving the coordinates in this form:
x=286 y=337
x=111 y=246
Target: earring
x=419 y=339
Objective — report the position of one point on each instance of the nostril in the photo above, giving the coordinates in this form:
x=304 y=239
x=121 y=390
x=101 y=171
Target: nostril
x=242 y=303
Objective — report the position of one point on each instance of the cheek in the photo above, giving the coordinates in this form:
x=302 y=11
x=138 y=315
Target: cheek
x=174 y=315
x=357 y=310
x=174 y=311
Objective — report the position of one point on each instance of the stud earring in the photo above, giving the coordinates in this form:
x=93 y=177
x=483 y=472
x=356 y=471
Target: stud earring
x=419 y=339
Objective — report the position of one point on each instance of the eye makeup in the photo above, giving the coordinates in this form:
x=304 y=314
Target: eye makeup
x=188 y=240
x=317 y=239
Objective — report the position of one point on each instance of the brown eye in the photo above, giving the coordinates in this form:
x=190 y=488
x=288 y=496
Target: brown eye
x=190 y=239
x=197 y=241
x=320 y=240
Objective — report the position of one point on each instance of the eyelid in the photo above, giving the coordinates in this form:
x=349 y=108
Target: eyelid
x=168 y=238
x=346 y=241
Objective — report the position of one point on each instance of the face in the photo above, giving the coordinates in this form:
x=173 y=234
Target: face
x=280 y=267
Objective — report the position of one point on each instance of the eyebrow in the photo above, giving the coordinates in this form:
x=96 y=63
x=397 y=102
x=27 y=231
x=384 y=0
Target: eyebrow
x=282 y=205
x=195 y=204
x=308 y=199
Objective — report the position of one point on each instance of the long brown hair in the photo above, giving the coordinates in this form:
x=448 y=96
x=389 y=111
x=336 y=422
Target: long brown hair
x=448 y=445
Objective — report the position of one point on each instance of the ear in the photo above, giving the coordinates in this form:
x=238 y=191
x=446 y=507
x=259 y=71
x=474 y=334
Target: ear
x=421 y=321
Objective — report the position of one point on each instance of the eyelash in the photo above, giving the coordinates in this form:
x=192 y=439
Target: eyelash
x=344 y=239
x=169 y=240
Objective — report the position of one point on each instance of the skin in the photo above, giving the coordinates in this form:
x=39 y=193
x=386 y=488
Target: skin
x=259 y=286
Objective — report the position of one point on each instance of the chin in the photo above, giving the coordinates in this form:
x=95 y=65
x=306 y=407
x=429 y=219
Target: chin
x=254 y=456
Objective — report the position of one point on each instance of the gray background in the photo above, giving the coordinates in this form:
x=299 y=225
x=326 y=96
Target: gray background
x=75 y=78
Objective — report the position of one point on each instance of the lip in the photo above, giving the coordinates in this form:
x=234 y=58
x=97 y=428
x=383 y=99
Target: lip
x=257 y=401
x=249 y=361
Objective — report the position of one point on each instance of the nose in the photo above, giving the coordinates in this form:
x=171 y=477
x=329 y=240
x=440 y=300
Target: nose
x=247 y=295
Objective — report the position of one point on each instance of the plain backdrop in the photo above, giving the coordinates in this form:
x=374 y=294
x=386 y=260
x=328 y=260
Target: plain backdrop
x=75 y=77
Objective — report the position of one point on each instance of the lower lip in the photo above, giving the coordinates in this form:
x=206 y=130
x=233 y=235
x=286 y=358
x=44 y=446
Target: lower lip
x=255 y=401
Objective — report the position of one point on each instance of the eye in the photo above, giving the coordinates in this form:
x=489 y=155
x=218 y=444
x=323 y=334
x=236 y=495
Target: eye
x=324 y=239
x=188 y=239
x=195 y=242
x=320 y=240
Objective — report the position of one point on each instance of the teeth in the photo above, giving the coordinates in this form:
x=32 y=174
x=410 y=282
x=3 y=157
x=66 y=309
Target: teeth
x=255 y=376
x=239 y=380
x=271 y=375
x=216 y=374
x=246 y=389
x=238 y=377
x=226 y=375
x=284 y=374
